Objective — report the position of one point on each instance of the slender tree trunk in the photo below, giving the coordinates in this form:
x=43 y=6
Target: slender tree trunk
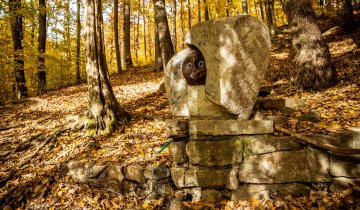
x=17 y=37
x=149 y=38
x=42 y=47
x=126 y=34
x=137 y=35
x=272 y=5
x=33 y=24
x=227 y=8
x=158 y=59
x=144 y=29
x=269 y=19
x=68 y=39
x=206 y=10
x=189 y=13
x=78 y=36
x=199 y=10
x=244 y=7
x=314 y=69
x=348 y=15
x=261 y=4
x=182 y=25
x=104 y=112
x=116 y=36
x=167 y=49
x=173 y=35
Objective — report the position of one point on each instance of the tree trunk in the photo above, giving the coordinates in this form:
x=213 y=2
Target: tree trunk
x=174 y=37
x=244 y=7
x=199 y=10
x=158 y=59
x=261 y=4
x=167 y=48
x=314 y=69
x=348 y=15
x=42 y=47
x=182 y=24
x=227 y=8
x=189 y=13
x=206 y=10
x=33 y=23
x=137 y=35
x=269 y=19
x=272 y=5
x=149 y=37
x=78 y=36
x=68 y=39
x=17 y=37
x=144 y=17
x=104 y=112
x=116 y=36
x=126 y=33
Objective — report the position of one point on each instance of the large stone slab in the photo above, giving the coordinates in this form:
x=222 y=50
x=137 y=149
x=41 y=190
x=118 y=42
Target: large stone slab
x=249 y=191
x=266 y=144
x=344 y=167
x=341 y=183
x=220 y=127
x=307 y=165
x=214 y=153
x=235 y=65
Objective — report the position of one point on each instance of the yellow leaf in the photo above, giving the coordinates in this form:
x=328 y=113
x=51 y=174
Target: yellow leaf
x=335 y=97
x=80 y=204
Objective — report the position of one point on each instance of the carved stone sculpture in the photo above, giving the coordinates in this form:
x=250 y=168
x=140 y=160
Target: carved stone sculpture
x=220 y=74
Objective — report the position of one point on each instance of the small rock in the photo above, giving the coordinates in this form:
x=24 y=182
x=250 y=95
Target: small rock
x=310 y=116
x=177 y=151
x=129 y=186
x=157 y=172
x=264 y=91
x=135 y=172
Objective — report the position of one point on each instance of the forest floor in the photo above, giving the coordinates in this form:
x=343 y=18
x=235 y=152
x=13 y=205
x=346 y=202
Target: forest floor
x=30 y=173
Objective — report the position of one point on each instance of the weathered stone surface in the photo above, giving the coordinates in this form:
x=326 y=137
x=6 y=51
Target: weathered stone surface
x=307 y=165
x=135 y=172
x=160 y=188
x=219 y=127
x=266 y=144
x=76 y=170
x=249 y=191
x=235 y=66
x=176 y=128
x=208 y=195
x=178 y=176
x=214 y=153
x=114 y=172
x=345 y=167
x=178 y=153
x=279 y=104
x=341 y=183
x=187 y=100
x=157 y=172
x=129 y=186
x=277 y=119
x=210 y=178
x=93 y=171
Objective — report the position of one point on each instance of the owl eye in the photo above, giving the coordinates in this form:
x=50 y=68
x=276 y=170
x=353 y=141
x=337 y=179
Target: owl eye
x=189 y=65
x=201 y=64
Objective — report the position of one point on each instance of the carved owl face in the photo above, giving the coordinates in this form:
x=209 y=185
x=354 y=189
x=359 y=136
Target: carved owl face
x=194 y=69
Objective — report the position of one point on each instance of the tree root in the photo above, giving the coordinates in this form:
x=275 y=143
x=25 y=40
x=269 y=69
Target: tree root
x=325 y=146
x=10 y=127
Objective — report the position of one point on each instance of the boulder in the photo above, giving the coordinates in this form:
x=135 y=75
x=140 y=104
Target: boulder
x=135 y=172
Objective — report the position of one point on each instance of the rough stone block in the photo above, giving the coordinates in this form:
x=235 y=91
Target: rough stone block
x=216 y=178
x=135 y=172
x=341 y=183
x=115 y=172
x=249 y=191
x=178 y=153
x=345 y=167
x=178 y=176
x=157 y=172
x=219 y=127
x=76 y=170
x=214 y=153
x=307 y=165
x=208 y=195
x=266 y=144
x=93 y=171
x=176 y=128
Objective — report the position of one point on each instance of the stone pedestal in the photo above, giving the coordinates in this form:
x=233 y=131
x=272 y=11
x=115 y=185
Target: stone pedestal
x=237 y=159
